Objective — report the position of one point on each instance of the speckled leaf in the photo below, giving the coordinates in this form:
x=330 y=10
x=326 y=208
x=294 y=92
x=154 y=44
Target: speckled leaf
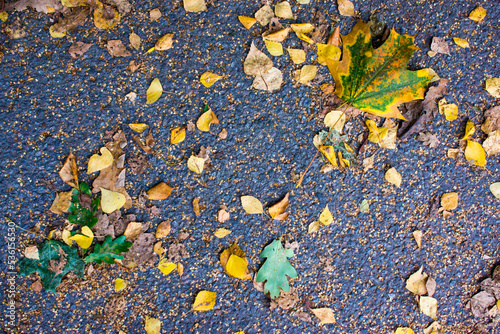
x=376 y=80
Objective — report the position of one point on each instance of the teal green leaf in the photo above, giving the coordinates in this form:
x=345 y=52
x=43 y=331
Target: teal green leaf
x=276 y=268
x=109 y=250
x=79 y=214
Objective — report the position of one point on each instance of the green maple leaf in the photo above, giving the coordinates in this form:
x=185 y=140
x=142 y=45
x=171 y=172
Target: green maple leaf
x=109 y=250
x=276 y=268
x=56 y=260
x=79 y=214
x=376 y=80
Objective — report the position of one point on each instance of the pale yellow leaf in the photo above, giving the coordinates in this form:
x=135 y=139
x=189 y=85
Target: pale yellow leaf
x=84 y=240
x=207 y=118
x=133 y=230
x=302 y=27
x=65 y=236
x=257 y=63
x=335 y=119
x=264 y=15
x=165 y=42
x=154 y=91
x=326 y=217
x=306 y=74
x=493 y=87
x=284 y=10
x=196 y=164
x=492 y=144
x=298 y=56
x=325 y=315
x=152 y=325
x=346 y=7
x=135 y=40
x=392 y=176
x=313 y=227
x=120 y=284
x=251 y=205
x=461 y=42
x=166 y=267
x=221 y=233
x=138 y=127
x=159 y=192
x=195 y=5
x=305 y=38
x=475 y=154
x=61 y=203
x=477 y=14
x=177 y=135
x=416 y=282
x=495 y=189
x=154 y=14
x=469 y=130
x=204 y=301
x=247 y=21
x=111 y=200
x=449 y=201
x=270 y=81
x=274 y=48
x=209 y=78
x=418 y=237
x=278 y=36
x=404 y=330
x=428 y=306
x=98 y=162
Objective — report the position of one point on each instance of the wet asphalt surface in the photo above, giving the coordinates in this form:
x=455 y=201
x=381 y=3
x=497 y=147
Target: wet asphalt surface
x=52 y=104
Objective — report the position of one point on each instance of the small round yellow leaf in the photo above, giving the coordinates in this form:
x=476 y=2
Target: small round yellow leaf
x=449 y=201
x=335 y=119
x=404 y=330
x=120 y=284
x=251 y=205
x=152 y=325
x=237 y=267
x=461 y=42
x=274 y=48
x=196 y=164
x=392 y=176
x=221 y=233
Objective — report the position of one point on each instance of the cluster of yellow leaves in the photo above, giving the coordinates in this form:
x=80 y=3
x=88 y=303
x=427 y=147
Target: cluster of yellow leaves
x=235 y=263
x=325 y=219
x=385 y=136
x=449 y=110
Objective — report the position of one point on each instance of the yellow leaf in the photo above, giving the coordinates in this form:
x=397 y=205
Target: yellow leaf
x=449 y=201
x=313 y=227
x=207 y=118
x=53 y=31
x=375 y=133
x=469 y=130
x=4 y=16
x=269 y=81
x=493 y=87
x=195 y=5
x=264 y=15
x=158 y=249
x=461 y=42
x=274 y=48
x=159 y=192
x=84 y=240
x=237 y=267
x=196 y=206
x=133 y=230
x=495 y=189
x=326 y=217
x=284 y=10
x=138 y=127
x=152 y=325
x=388 y=136
x=302 y=27
x=120 y=284
x=247 y=21
x=257 y=63
x=393 y=176
x=166 y=267
x=221 y=233
x=209 y=78
x=477 y=14
x=204 y=301
x=306 y=74
x=277 y=211
x=327 y=52
x=329 y=154
x=428 y=306
x=61 y=202
x=450 y=110
x=105 y=19
x=111 y=200
x=135 y=40
x=177 y=135
x=65 y=236
x=298 y=56
x=492 y=144
x=404 y=330
x=474 y=153
x=325 y=315
x=417 y=235
x=278 y=36
x=163 y=229
x=180 y=269
x=196 y=164
x=98 y=162
x=154 y=91
x=251 y=205
x=165 y=42
x=335 y=119
x=73 y=3
x=304 y=38
x=416 y=283
x=346 y=7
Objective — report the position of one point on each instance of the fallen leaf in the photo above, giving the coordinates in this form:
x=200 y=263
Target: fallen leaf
x=313 y=227
x=474 y=153
x=159 y=192
x=196 y=164
x=163 y=229
x=434 y=328
x=368 y=163
x=306 y=74
x=450 y=110
x=274 y=48
x=428 y=139
x=83 y=239
x=98 y=162
x=286 y=300
x=165 y=42
x=257 y=63
x=492 y=144
x=4 y=16
x=302 y=27
x=428 y=306
x=209 y=78
x=326 y=217
x=32 y=252
x=364 y=206
x=45 y=6
x=222 y=134
x=416 y=282
x=222 y=232
x=222 y=216
x=495 y=189
x=327 y=51
x=452 y=153
x=449 y=201
x=270 y=81
x=298 y=56
x=105 y=17
x=431 y=286
x=247 y=21
x=477 y=14
x=392 y=176
x=61 y=203
x=77 y=49
x=264 y=15
x=469 y=130
x=284 y=10
x=111 y=200
x=346 y=7
x=120 y=284
x=71 y=19
x=154 y=15
x=206 y=119
x=204 y=301
x=16 y=30
x=65 y=236
x=277 y=211
x=304 y=38
x=418 y=237
x=166 y=267
x=251 y=205
x=152 y=325
x=439 y=45
x=177 y=135
x=135 y=41
x=335 y=119
x=196 y=207
x=404 y=330
x=133 y=230
x=492 y=86
x=194 y=5
x=461 y=42
x=138 y=127
x=117 y=49
x=325 y=315
x=154 y=91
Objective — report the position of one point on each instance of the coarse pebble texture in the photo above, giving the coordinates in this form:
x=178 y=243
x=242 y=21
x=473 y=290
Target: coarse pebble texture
x=51 y=104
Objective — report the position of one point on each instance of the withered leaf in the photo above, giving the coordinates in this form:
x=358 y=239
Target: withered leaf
x=69 y=171
x=77 y=49
x=277 y=211
x=117 y=49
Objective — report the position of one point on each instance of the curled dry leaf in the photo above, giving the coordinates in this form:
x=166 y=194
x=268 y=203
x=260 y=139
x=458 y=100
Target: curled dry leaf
x=159 y=192
x=165 y=42
x=163 y=229
x=98 y=162
x=247 y=21
x=69 y=171
x=206 y=119
x=204 y=301
x=83 y=239
x=196 y=207
x=61 y=203
x=222 y=216
x=325 y=315
x=434 y=328
x=277 y=211
x=313 y=227
x=264 y=15
x=196 y=164
x=251 y=205
x=431 y=286
x=222 y=134
x=416 y=282
x=392 y=176
x=492 y=144
x=195 y=5
x=154 y=91
x=177 y=135
x=278 y=36
x=439 y=45
x=428 y=306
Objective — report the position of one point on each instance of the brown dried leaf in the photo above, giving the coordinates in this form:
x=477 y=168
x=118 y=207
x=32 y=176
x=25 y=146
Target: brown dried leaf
x=277 y=211
x=163 y=229
x=416 y=282
x=61 y=203
x=154 y=15
x=325 y=315
x=431 y=286
x=196 y=207
x=287 y=300
x=481 y=303
x=257 y=63
x=428 y=139
x=439 y=45
x=117 y=49
x=176 y=252
x=133 y=230
x=77 y=49
x=69 y=171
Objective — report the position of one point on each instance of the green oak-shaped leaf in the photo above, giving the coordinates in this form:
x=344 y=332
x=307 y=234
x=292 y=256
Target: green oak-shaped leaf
x=79 y=214
x=276 y=268
x=56 y=260
x=109 y=250
x=376 y=80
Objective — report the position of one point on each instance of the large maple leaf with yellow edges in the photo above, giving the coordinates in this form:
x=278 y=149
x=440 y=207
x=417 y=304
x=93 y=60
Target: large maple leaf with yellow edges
x=376 y=80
